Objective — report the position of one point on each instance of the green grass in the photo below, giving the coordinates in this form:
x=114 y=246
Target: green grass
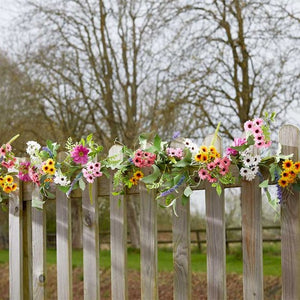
x=234 y=261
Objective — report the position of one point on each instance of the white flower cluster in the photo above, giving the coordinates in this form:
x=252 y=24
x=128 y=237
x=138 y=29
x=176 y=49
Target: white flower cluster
x=191 y=146
x=33 y=150
x=250 y=165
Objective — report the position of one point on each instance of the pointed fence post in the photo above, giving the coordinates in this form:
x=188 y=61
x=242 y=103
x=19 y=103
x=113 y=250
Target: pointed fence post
x=215 y=236
x=16 y=244
x=118 y=236
x=148 y=237
x=182 y=250
x=289 y=138
x=38 y=248
x=90 y=241
x=252 y=239
x=63 y=244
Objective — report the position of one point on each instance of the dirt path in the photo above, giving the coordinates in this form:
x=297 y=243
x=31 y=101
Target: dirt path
x=234 y=285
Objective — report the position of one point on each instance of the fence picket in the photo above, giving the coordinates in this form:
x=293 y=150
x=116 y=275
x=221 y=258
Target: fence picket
x=118 y=237
x=63 y=246
x=252 y=239
x=38 y=249
x=182 y=251
x=148 y=238
x=289 y=137
x=215 y=229
x=16 y=244
x=27 y=250
x=90 y=243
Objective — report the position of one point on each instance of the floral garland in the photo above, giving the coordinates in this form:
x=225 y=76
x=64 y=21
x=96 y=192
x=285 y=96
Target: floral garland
x=177 y=166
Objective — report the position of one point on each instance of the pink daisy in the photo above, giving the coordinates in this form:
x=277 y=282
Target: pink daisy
x=211 y=166
x=8 y=147
x=248 y=126
x=2 y=151
x=211 y=179
x=258 y=121
x=257 y=130
x=203 y=174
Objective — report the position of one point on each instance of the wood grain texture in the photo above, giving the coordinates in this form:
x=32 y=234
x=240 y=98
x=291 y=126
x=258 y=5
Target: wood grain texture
x=148 y=239
x=63 y=246
x=215 y=232
x=16 y=244
x=251 y=201
x=182 y=251
x=39 y=277
x=289 y=137
x=90 y=241
x=27 y=249
x=118 y=238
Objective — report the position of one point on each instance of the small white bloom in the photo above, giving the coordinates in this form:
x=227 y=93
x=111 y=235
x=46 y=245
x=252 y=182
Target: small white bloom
x=61 y=179
x=247 y=173
x=248 y=160
x=256 y=160
x=191 y=146
x=32 y=147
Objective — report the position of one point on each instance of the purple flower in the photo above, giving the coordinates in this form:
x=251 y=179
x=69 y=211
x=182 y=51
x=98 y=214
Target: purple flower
x=176 y=134
x=80 y=154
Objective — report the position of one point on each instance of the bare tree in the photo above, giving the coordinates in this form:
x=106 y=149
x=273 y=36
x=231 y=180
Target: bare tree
x=238 y=62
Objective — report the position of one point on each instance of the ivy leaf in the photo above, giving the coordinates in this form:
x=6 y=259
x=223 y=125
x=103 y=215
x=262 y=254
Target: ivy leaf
x=37 y=202
x=264 y=184
x=64 y=189
x=187 y=192
x=296 y=187
x=184 y=199
x=81 y=184
x=153 y=176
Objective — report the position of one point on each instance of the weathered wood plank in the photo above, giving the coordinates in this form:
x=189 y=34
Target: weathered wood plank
x=251 y=202
x=118 y=238
x=182 y=251
x=90 y=243
x=16 y=244
x=216 y=247
x=38 y=249
x=27 y=250
x=148 y=239
x=63 y=246
x=215 y=232
x=289 y=137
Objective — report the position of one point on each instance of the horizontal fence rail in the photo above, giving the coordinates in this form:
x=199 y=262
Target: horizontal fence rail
x=27 y=241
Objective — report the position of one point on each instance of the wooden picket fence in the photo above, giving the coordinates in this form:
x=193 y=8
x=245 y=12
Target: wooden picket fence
x=27 y=241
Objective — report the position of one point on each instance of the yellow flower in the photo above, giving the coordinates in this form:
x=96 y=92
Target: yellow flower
x=8 y=179
x=7 y=189
x=283 y=182
x=133 y=180
x=212 y=149
x=45 y=168
x=204 y=157
x=297 y=167
x=287 y=165
x=198 y=157
x=50 y=162
x=203 y=149
x=292 y=176
x=14 y=186
x=51 y=170
x=138 y=175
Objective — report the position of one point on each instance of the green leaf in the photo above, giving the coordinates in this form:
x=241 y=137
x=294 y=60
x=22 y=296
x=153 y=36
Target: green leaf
x=219 y=189
x=89 y=137
x=264 y=184
x=184 y=199
x=153 y=176
x=37 y=202
x=157 y=143
x=187 y=192
x=64 y=189
x=81 y=184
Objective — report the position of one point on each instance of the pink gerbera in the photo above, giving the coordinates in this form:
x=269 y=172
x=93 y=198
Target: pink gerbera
x=203 y=174
x=211 y=166
x=2 y=151
x=258 y=122
x=248 y=126
x=80 y=154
